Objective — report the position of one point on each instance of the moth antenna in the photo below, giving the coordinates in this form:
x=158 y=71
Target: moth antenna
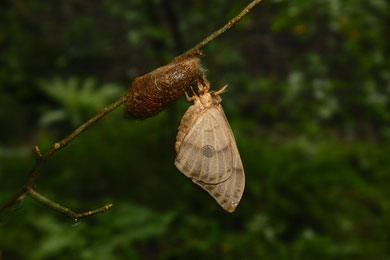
x=221 y=91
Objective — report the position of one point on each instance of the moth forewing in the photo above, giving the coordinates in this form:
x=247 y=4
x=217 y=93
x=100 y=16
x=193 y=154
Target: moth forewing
x=189 y=118
x=207 y=151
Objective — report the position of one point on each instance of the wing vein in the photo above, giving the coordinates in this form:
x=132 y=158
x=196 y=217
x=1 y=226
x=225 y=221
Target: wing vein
x=225 y=162
x=197 y=156
x=190 y=151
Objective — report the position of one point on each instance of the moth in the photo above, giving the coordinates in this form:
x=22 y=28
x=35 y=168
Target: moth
x=207 y=151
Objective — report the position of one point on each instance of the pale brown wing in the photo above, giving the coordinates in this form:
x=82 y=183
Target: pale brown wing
x=205 y=154
x=188 y=119
x=228 y=193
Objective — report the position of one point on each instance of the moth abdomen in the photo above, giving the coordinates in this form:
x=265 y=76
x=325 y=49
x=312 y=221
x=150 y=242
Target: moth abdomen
x=155 y=91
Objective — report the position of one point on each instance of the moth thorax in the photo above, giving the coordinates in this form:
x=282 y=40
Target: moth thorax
x=207 y=100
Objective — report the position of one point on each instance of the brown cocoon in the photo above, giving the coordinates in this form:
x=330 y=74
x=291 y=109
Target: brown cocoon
x=155 y=91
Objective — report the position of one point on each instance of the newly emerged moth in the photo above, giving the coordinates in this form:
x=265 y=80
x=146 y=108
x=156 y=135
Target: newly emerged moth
x=207 y=151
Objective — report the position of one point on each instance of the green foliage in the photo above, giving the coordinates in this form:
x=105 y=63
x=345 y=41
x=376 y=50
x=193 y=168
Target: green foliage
x=77 y=100
x=308 y=101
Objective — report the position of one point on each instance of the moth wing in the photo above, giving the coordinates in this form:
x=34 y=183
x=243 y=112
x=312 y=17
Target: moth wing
x=228 y=193
x=205 y=153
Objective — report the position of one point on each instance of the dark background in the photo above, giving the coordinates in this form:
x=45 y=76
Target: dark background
x=308 y=102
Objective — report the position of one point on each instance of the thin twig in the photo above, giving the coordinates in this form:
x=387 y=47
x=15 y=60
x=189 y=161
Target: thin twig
x=57 y=146
x=64 y=210
x=27 y=187
x=61 y=144
x=214 y=35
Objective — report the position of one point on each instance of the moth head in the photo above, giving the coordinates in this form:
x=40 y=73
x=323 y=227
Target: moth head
x=206 y=98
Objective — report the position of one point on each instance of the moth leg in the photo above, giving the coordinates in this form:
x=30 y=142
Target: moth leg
x=200 y=88
x=206 y=86
x=221 y=91
x=193 y=98
x=193 y=92
x=188 y=98
x=203 y=87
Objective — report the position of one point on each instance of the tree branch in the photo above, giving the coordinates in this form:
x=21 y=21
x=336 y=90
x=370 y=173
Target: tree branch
x=64 y=210
x=214 y=35
x=27 y=187
x=41 y=158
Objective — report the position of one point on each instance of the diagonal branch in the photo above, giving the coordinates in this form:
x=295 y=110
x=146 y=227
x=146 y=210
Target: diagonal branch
x=226 y=27
x=64 y=210
x=41 y=158
x=19 y=196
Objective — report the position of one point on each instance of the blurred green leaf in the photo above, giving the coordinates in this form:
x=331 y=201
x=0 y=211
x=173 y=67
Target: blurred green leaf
x=78 y=99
